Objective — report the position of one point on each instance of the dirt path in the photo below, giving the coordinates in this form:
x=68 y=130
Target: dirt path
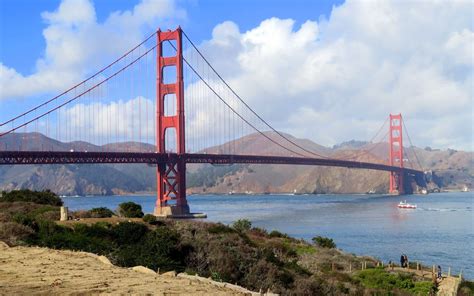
x=28 y=270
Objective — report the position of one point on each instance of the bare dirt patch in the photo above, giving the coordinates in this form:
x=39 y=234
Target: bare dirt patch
x=30 y=270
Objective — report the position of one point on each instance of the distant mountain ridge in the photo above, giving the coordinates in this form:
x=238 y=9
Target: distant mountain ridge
x=454 y=169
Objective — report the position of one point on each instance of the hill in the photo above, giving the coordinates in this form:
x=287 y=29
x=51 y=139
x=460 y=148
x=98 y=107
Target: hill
x=453 y=169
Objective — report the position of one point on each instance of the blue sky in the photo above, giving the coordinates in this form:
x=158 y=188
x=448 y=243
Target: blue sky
x=344 y=65
x=22 y=43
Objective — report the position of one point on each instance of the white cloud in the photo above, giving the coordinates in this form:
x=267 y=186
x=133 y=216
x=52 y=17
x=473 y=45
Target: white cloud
x=330 y=80
x=77 y=44
x=338 y=79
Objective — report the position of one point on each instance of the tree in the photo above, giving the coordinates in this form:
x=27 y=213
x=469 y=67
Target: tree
x=242 y=225
x=324 y=242
x=130 y=210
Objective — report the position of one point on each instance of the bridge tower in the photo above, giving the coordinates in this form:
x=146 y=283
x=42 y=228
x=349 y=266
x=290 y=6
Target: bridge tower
x=171 y=177
x=396 y=154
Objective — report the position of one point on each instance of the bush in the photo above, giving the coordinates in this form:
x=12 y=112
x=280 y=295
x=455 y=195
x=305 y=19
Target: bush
x=40 y=197
x=276 y=233
x=101 y=213
x=130 y=210
x=220 y=228
x=158 y=249
x=242 y=225
x=12 y=233
x=149 y=218
x=380 y=279
x=126 y=233
x=81 y=214
x=324 y=242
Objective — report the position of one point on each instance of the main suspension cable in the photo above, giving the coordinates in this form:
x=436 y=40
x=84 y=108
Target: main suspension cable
x=253 y=111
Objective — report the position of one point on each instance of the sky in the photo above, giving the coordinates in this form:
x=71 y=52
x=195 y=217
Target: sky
x=331 y=71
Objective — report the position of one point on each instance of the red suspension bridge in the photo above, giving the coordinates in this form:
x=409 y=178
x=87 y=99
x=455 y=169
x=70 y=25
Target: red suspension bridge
x=111 y=118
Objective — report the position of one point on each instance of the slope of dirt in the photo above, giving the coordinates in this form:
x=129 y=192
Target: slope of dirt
x=41 y=271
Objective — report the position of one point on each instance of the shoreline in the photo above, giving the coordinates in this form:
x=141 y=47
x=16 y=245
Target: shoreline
x=146 y=193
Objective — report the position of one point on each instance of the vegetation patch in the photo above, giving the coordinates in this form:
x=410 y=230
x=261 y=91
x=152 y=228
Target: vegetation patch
x=250 y=257
x=466 y=288
x=324 y=242
x=130 y=210
x=101 y=212
x=382 y=280
x=39 y=197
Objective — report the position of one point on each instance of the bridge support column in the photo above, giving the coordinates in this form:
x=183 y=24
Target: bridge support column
x=171 y=177
x=396 y=154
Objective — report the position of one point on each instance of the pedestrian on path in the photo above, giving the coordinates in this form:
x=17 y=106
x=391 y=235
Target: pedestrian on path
x=439 y=272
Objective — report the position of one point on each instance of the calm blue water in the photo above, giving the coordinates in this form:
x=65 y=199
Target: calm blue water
x=439 y=231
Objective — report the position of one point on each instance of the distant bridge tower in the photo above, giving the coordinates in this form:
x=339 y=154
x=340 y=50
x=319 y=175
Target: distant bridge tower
x=171 y=177
x=396 y=154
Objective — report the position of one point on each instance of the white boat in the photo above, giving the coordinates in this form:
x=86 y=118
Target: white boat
x=405 y=205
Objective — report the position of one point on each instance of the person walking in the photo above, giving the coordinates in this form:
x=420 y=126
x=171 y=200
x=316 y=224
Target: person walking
x=439 y=272
x=402 y=260
x=406 y=261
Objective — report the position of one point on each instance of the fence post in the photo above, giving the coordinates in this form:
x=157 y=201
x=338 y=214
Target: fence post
x=460 y=275
x=449 y=271
x=417 y=266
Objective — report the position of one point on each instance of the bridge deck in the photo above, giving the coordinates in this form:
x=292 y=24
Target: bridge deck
x=39 y=157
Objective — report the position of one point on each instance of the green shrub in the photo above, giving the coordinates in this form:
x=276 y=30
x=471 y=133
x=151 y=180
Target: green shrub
x=324 y=242
x=101 y=212
x=13 y=233
x=158 y=249
x=466 y=288
x=242 y=225
x=130 y=210
x=127 y=233
x=40 y=197
x=81 y=214
x=149 y=218
x=380 y=279
x=276 y=233
x=219 y=228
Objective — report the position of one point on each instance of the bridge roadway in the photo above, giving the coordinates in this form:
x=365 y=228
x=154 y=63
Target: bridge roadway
x=65 y=157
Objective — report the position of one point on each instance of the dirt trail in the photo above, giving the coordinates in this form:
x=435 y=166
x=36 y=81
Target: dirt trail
x=29 y=270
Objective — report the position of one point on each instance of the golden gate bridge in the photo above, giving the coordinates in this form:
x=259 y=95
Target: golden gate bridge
x=133 y=111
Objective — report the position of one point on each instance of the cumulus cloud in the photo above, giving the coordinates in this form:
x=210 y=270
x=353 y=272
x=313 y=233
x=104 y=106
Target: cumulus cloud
x=329 y=80
x=76 y=43
x=339 y=78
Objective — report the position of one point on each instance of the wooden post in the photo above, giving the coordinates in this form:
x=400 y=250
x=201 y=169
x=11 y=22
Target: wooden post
x=460 y=275
x=417 y=266
x=434 y=270
x=449 y=271
x=63 y=214
x=382 y=264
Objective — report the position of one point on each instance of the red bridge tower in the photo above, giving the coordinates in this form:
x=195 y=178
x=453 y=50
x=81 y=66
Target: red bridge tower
x=396 y=154
x=171 y=177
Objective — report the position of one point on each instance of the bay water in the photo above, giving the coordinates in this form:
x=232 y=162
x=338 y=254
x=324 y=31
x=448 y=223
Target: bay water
x=440 y=231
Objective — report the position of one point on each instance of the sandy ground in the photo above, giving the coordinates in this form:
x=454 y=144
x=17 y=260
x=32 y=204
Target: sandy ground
x=29 y=270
